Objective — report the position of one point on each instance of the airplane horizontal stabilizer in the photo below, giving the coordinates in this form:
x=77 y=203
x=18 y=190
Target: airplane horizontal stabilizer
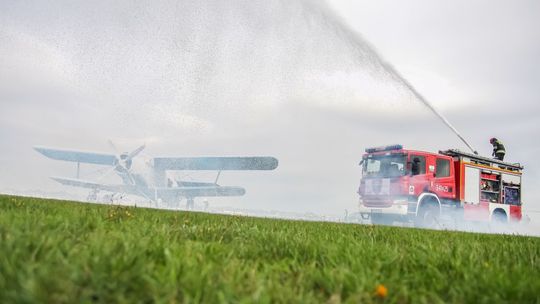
x=78 y=156
x=195 y=184
x=215 y=163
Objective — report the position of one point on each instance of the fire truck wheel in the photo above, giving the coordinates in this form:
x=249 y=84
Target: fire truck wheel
x=428 y=215
x=499 y=217
x=381 y=219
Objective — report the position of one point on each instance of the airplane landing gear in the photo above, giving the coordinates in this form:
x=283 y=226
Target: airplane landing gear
x=92 y=196
x=190 y=204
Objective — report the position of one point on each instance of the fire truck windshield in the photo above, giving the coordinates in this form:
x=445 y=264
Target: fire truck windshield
x=384 y=165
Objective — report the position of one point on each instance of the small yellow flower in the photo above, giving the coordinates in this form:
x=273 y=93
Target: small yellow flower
x=381 y=291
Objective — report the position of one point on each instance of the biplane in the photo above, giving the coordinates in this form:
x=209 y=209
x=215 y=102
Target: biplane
x=149 y=178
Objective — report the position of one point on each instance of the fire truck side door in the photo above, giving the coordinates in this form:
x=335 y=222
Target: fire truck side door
x=418 y=180
x=443 y=183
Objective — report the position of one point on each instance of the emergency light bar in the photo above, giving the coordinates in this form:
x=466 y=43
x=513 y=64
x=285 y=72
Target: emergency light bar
x=384 y=148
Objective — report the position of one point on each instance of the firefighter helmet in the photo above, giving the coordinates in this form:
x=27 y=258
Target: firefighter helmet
x=492 y=140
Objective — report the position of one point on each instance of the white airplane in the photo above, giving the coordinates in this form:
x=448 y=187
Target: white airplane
x=148 y=179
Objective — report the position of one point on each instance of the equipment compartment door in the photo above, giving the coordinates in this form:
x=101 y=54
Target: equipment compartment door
x=472 y=185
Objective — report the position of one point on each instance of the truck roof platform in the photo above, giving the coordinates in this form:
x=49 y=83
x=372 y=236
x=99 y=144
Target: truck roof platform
x=483 y=160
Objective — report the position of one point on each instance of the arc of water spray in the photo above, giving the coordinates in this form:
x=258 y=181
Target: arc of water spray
x=366 y=50
x=417 y=94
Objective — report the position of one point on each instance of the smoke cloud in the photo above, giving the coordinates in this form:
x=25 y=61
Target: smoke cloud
x=281 y=78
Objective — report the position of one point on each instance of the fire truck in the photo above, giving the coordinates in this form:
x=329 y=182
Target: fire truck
x=422 y=187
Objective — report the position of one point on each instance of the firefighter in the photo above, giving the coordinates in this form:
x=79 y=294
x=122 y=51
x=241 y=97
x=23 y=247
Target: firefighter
x=415 y=170
x=498 y=149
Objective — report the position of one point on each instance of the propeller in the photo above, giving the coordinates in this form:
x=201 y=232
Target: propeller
x=123 y=161
x=135 y=152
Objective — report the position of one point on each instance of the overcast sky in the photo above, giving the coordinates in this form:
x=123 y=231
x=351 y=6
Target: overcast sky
x=296 y=80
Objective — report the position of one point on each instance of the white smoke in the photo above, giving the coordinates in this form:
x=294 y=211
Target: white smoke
x=282 y=78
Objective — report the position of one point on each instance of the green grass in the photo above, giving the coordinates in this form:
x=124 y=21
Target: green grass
x=53 y=251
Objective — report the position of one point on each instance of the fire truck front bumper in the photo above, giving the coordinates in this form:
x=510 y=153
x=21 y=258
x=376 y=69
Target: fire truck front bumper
x=399 y=207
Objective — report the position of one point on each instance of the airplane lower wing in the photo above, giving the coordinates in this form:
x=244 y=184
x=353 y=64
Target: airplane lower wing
x=78 y=156
x=166 y=194
x=93 y=185
x=177 y=192
x=215 y=163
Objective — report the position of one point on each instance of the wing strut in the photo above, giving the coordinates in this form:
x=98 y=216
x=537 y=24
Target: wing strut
x=217 y=177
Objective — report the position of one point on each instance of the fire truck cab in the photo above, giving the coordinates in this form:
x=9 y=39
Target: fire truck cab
x=408 y=185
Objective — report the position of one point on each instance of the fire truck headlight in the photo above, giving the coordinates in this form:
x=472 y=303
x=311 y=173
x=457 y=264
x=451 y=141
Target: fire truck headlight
x=401 y=202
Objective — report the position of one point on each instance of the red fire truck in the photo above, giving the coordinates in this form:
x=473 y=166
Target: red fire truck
x=406 y=185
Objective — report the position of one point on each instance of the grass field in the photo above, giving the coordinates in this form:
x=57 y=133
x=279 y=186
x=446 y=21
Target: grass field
x=53 y=251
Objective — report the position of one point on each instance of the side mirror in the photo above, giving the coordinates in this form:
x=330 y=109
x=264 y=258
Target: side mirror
x=408 y=167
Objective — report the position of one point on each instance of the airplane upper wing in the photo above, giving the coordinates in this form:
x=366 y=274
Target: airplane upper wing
x=93 y=185
x=78 y=156
x=215 y=163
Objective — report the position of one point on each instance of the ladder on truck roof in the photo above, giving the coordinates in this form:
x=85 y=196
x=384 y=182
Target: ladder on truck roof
x=482 y=160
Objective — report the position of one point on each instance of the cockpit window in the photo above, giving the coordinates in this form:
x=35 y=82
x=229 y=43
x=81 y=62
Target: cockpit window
x=384 y=165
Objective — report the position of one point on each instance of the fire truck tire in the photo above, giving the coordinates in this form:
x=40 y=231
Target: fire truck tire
x=499 y=217
x=428 y=215
x=381 y=219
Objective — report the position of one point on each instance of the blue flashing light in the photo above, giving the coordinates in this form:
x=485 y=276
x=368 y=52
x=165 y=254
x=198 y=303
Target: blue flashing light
x=384 y=148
